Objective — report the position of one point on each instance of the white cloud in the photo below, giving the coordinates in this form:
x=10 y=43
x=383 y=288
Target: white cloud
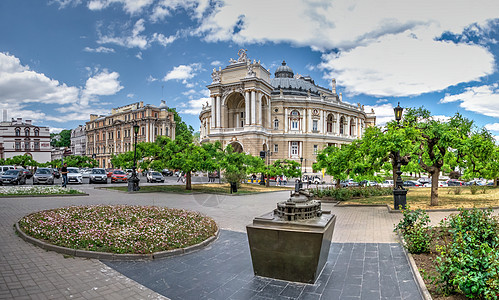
x=195 y=106
x=381 y=101
x=99 y=50
x=163 y=40
x=103 y=84
x=130 y=95
x=216 y=63
x=401 y=65
x=139 y=55
x=151 y=79
x=164 y=8
x=56 y=129
x=19 y=84
x=492 y=127
x=183 y=72
x=384 y=113
x=480 y=99
x=130 y=39
x=130 y=6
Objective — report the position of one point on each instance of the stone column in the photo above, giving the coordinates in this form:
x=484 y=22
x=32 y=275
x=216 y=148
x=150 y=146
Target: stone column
x=260 y=119
x=219 y=112
x=247 y=108
x=253 y=107
x=285 y=120
x=269 y=114
x=213 y=113
x=338 y=117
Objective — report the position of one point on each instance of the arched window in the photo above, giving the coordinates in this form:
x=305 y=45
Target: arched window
x=276 y=124
x=352 y=126
x=295 y=120
x=26 y=131
x=37 y=132
x=330 y=121
x=342 y=125
x=18 y=131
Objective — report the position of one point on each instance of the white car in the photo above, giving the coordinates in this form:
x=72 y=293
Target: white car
x=387 y=183
x=440 y=184
x=74 y=176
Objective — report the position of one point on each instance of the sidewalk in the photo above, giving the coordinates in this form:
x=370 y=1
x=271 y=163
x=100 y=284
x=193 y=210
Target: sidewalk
x=30 y=272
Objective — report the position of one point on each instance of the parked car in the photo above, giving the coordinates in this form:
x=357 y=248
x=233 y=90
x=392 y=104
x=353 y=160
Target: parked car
x=74 y=175
x=369 y=183
x=56 y=173
x=154 y=176
x=98 y=175
x=119 y=176
x=348 y=183
x=454 y=182
x=412 y=183
x=476 y=182
x=85 y=173
x=109 y=172
x=424 y=180
x=5 y=168
x=15 y=176
x=43 y=176
x=387 y=183
x=26 y=172
x=167 y=172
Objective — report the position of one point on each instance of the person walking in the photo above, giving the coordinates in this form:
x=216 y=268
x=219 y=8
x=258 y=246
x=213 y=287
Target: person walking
x=64 y=173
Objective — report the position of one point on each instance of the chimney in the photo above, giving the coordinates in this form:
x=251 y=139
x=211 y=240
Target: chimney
x=28 y=122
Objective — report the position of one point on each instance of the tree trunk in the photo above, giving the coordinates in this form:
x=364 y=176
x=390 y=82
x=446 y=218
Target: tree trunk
x=394 y=173
x=338 y=185
x=267 y=183
x=495 y=182
x=188 y=185
x=434 y=187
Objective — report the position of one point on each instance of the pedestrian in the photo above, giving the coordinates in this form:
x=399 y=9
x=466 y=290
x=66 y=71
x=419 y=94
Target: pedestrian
x=278 y=180
x=64 y=173
x=284 y=179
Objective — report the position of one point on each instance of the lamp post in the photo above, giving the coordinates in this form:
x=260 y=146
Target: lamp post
x=133 y=181
x=399 y=193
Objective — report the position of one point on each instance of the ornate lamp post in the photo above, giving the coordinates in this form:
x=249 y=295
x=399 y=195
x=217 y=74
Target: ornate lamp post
x=133 y=181
x=399 y=193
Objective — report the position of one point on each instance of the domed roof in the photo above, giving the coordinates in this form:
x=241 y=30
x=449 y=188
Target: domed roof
x=284 y=71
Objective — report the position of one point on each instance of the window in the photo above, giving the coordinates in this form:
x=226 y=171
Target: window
x=18 y=145
x=155 y=114
x=26 y=145
x=295 y=120
x=143 y=131
x=276 y=148
x=342 y=124
x=330 y=123
x=276 y=124
x=294 y=148
x=26 y=132
x=314 y=125
x=37 y=145
x=316 y=148
x=143 y=114
x=18 y=131
x=37 y=132
x=166 y=131
x=294 y=124
x=118 y=134
x=155 y=130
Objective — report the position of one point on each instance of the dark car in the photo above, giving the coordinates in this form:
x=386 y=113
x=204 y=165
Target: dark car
x=43 y=176
x=98 y=175
x=56 y=173
x=27 y=173
x=15 y=176
x=154 y=176
x=454 y=182
x=412 y=183
x=167 y=172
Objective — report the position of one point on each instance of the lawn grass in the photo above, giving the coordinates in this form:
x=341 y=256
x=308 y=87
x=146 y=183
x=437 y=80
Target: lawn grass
x=212 y=188
x=448 y=199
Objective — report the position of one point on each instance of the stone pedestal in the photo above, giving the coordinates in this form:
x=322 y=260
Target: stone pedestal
x=290 y=250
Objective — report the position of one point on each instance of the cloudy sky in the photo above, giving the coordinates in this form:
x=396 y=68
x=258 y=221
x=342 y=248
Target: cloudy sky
x=61 y=60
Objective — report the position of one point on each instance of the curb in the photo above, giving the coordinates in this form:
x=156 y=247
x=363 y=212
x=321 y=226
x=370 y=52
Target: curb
x=54 y=195
x=113 y=256
x=415 y=272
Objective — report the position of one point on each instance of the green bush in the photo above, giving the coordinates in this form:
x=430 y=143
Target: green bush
x=473 y=189
x=415 y=229
x=469 y=262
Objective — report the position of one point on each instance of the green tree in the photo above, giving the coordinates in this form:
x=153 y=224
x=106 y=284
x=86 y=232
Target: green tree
x=474 y=154
x=61 y=139
x=336 y=161
x=22 y=160
x=80 y=161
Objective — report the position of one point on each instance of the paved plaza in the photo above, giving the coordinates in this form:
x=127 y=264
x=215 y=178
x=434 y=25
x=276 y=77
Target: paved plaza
x=365 y=260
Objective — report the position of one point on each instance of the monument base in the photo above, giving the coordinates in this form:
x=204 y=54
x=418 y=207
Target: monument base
x=290 y=250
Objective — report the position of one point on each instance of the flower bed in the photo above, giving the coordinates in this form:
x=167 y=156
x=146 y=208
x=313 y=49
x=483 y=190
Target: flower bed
x=120 y=228
x=37 y=190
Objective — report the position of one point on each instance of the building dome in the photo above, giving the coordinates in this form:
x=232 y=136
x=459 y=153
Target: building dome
x=284 y=71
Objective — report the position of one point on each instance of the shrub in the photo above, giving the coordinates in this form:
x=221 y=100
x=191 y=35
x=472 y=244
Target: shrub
x=469 y=263
x=344 y=194
x=415 y=229
x=473 y=189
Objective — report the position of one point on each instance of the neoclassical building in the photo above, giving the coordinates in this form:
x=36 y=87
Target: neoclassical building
x=19 y=137
x=288 y=116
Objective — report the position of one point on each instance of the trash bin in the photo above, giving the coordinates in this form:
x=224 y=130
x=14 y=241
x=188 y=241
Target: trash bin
x=233 y=187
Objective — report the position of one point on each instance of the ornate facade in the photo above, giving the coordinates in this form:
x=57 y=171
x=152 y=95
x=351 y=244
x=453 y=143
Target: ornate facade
x=78 y=141
x=288 y=116
x=113 y=134
x=20 y=138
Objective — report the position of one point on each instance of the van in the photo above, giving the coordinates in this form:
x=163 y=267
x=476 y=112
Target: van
x=5 y=168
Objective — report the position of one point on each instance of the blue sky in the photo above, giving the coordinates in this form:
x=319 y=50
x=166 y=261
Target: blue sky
x=61 y=60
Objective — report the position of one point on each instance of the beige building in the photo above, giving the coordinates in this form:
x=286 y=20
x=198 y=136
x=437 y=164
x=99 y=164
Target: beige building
x=288 y=116
x=113 y=134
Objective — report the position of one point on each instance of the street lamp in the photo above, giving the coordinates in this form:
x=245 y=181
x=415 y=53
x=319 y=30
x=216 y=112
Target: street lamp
x=399 y=193
x=133 y=181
